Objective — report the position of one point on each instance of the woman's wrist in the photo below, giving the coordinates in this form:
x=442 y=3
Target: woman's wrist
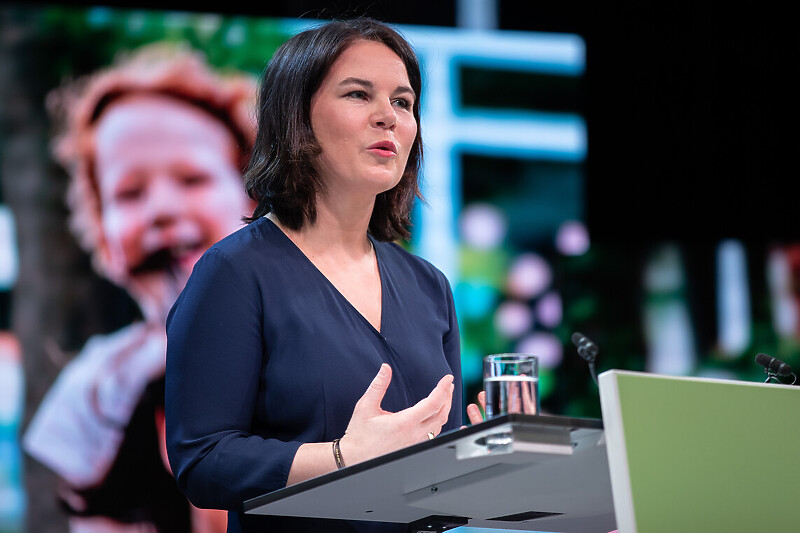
x=337 y=454
x=347 y=452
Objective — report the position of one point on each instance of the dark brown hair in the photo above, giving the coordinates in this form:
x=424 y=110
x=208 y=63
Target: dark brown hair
x=281 y=177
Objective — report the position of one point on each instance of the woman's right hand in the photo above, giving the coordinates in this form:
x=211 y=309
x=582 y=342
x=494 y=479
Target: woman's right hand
x=373 y=431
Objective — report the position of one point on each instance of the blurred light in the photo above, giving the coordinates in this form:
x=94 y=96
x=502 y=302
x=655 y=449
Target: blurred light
x=136 y=22
x=177 y=19
x=483 y=226
x=12 y=500
x=209 y=23
x=11 y=380
x=528 y=276
x=475 y=300
x=12 y=496
x=549 y=310
x=471 y=366
x=717 y=373
x=235 y=35
x=572 y=238
x=670 y=344
x=733 y=299
x=667 y=326
x=98 y=16
x=543 y=345
x=9 y=256
x=477 y=14
x=784 y=304
x=513 y=319
x=664 y=272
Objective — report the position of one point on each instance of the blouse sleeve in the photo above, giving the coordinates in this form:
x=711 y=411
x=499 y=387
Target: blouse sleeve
x=215 y=353
x=452 y=352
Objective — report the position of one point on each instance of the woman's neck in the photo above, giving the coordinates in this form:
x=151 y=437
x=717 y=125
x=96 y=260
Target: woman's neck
x=340 y=228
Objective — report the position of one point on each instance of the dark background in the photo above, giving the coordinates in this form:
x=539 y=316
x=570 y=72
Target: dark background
x=690 y=107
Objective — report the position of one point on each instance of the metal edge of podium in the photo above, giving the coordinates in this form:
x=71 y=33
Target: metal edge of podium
x=554 y=422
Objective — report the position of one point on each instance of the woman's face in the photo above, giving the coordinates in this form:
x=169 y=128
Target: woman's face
x=169 y=188
x=362 y=116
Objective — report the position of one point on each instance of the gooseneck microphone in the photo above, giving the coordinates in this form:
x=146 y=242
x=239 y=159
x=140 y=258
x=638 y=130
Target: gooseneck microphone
x=587 y=350
x=774 y=367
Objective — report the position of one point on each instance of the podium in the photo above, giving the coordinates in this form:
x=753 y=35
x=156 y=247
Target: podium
x=701 y=454
x=685 y=454
x=514 y=472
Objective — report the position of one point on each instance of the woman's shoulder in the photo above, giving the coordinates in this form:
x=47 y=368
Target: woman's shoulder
x=252 y=245
x=255 y=255
x=398 y=258
x=245 y=240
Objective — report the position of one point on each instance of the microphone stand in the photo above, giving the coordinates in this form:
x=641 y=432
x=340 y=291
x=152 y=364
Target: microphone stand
x=773 y=375
x=589 y=361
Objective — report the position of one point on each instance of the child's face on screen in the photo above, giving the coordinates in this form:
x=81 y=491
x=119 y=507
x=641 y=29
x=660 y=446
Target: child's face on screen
x=169 y=188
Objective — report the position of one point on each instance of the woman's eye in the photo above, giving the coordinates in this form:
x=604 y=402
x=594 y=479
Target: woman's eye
x=402 y=103
x=359 y=95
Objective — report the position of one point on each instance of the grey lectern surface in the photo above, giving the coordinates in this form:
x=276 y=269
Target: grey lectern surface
x=544 y=473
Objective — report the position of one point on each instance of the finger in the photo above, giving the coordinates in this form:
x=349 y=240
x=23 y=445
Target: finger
x=482 y=400
x=435 y=423
x=474 y=414
x=429 y=406
x=439 y=419
x=528 y=403
x=513 y=397
x=374 y=394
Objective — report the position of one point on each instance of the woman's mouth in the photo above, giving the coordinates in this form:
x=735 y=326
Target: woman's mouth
x=383 y=149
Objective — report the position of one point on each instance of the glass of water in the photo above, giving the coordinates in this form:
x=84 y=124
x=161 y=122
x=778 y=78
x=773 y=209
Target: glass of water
x=511 y=382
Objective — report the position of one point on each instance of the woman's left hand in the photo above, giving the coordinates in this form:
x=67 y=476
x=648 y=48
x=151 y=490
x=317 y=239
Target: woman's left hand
x=474 y=412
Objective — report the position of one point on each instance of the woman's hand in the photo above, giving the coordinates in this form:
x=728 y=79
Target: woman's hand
x=474 y=412
x=373 y=431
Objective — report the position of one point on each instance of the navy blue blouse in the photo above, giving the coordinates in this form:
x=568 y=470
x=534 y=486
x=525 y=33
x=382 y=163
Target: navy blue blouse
x=264 y=354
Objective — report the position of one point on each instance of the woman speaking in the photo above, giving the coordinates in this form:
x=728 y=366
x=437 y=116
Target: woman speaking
x=308 y=340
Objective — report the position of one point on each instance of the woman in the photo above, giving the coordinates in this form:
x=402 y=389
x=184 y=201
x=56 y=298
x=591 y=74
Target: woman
x=156 y=145
x=308 y=341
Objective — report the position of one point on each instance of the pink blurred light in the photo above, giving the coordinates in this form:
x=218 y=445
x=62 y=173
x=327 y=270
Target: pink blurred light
x=513 y=319
x=572 y=238
x=549 y=310
x=528 y=276
x=543 y=345
x=483 y=226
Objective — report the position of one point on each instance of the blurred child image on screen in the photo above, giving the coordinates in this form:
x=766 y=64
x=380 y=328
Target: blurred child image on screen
x=154 y=146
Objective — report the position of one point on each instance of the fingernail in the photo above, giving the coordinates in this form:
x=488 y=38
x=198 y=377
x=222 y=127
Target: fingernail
x=384 y=369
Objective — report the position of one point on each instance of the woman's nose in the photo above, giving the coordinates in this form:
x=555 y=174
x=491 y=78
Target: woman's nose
x=384 y=115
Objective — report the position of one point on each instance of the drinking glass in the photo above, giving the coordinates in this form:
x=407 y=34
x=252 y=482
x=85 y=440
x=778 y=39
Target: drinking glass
x=511 y=382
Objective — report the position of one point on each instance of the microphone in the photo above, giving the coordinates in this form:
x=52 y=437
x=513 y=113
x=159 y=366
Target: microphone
x=773 y=365
x=587 y=350
x=775 y=368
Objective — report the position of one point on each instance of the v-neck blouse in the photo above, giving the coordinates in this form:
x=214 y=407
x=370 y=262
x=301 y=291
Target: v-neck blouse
x=264 y=354
x=380 y=274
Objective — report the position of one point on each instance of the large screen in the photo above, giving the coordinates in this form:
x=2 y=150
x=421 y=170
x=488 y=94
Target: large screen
x=505 y=217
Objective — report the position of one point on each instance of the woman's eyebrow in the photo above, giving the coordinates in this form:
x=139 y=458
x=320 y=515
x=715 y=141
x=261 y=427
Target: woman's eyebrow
x=369 y=85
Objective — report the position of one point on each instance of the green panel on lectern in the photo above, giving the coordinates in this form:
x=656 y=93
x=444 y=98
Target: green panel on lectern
x=711 y=453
